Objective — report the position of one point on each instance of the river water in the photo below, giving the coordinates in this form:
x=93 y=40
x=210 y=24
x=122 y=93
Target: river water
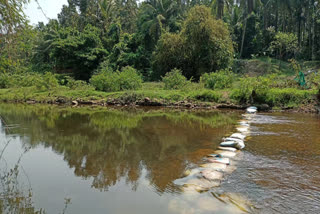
x=104 y=160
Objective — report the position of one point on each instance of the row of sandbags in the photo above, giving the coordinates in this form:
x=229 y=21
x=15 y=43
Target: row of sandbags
x=210 y=174
x=221 y=162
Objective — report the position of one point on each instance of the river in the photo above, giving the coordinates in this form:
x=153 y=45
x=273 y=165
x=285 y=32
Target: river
x=59 y=159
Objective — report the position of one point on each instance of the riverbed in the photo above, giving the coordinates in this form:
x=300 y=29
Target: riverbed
x=126 y=160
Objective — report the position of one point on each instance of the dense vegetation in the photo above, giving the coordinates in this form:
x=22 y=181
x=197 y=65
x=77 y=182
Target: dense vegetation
x=111 y=46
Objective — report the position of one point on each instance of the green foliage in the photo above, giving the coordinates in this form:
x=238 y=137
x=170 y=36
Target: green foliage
x=169 y=54
x=218 y=80
x=47 y=81
x=252 y=89
x=174 y=80
x=289 y=97
x=11 y=14
x=78 y=84
x=295 y=66
x=107 y=80
x=204 y=45
x=81 y=51
x=314 y=80
x=284 y=44
x=129 y=79
x=208 y=43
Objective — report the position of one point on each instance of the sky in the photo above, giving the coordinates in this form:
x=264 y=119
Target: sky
x=50 y=7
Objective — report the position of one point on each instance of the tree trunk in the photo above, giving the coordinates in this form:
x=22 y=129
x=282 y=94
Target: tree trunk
x=277 y=16
x=313 y=32
x=250 y=6
x=299 y=28
x=243 y=36
x=220 y=9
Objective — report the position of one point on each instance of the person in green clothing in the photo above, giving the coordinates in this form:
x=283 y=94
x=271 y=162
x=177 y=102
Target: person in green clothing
x=301 y=79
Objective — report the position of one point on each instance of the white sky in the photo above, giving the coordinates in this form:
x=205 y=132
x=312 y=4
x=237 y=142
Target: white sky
x=50 y=7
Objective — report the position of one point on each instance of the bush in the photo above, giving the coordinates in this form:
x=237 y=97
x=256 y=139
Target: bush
x=252 y=89
x=129 y=79
x=4 y=80
x=77 y=84
x=219 y=80
x=107 y=80
x=46 y=81
x=314 y=80
x=243 y=93
x=174 y=80
x=203 y=45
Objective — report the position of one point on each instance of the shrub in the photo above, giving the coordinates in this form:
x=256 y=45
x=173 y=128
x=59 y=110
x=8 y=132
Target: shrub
x=314 y=80
x=219 y=80
x=129 y=79
x=174 y=80
x=252 y=89
x=4 y=80
x=77 y=84
x=46 y=81
x=203 y=45
x=107 y=80
x=243 y=93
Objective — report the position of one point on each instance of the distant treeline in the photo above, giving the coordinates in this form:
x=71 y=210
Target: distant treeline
x=156 y=36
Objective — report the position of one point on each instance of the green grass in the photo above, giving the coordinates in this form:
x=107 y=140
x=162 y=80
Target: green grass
x=275 y=97
x=273 y=87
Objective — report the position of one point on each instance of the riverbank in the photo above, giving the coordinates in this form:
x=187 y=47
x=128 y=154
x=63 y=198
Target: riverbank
x=261 y=82
x=153 y=94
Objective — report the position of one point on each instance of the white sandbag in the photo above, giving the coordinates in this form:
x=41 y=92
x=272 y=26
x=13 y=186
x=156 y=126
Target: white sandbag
x=238 y=136
x=233 y=139
x=191 y=172
x=253 y=107
x=244 y=124
x=243 y=129
x=224 y=154
x=234 y=144
x=219 y=160
x=201 y=184
x=252 y=110
x=214 y=166
x=230 y=149
x=211 y=174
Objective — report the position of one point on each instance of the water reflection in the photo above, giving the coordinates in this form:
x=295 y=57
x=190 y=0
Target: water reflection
x=109 y=145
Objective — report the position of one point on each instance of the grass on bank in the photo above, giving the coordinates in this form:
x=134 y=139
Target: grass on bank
x=275 y=97
x=257 y=85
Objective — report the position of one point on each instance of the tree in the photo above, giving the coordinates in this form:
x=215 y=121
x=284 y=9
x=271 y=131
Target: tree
x=284 y=44
x=79 y=51
x=218 y=7
x=11 y=14
x=204 y=45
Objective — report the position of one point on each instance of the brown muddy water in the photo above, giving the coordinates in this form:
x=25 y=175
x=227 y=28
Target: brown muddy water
x=103 y=160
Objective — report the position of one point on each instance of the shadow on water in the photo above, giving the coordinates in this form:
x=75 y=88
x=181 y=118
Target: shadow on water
x=117 y=147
